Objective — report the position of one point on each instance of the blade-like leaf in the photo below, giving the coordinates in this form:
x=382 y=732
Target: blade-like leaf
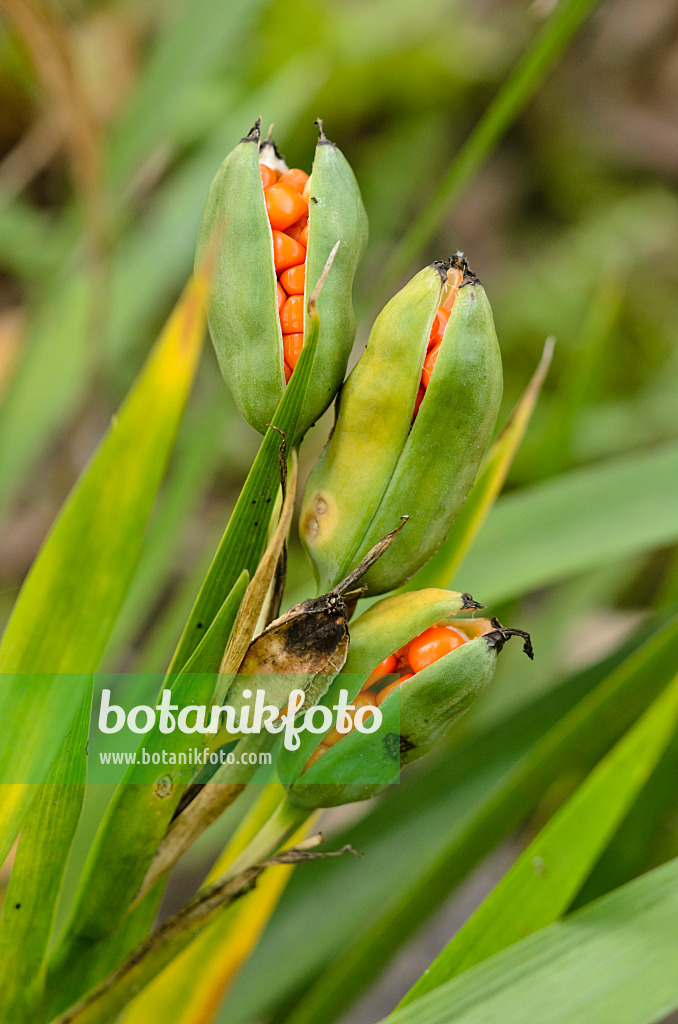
x=546 y=878
x=443 y=566
x=137 y=816
x=577 y=521
x=614 y=962
x=68 y=604
x=31 y=898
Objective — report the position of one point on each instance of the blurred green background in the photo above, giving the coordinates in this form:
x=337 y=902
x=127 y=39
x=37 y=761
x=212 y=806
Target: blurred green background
x=114 y=119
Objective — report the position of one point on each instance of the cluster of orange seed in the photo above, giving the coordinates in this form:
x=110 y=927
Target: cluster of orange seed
x=431 y=645
x=287 y=199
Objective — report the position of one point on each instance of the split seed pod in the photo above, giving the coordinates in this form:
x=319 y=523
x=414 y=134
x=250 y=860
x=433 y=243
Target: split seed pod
x=379 y=464
x=415 y=717
x=237 y=238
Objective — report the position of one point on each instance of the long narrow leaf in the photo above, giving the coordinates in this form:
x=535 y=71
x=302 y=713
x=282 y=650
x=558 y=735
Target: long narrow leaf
x=614 y=962
x=546 y=878
x=577 y=521
x=68 y=604
x=37 y=874
x=191 y=988
x=138 y=815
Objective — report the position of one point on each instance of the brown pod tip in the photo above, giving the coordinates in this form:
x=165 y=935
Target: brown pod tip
x=254 y=134
x=456 y=262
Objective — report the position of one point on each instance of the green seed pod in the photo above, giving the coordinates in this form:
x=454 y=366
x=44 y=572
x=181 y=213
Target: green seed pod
x=380 y=631
x=378 y=464
x=235 y=235
x=414 y=718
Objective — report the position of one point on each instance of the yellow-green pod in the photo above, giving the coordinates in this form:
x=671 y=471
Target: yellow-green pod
x=380 y=463
x=444 y=448
x=415 y=717
x=373 y=420
x=236 y=240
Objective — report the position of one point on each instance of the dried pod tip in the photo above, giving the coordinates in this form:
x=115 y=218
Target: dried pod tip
x=452 y=267
x=254 y=134
x=322 y=138
x=500 y=634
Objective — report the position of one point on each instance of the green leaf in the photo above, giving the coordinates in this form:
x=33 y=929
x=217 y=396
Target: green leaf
x=137 y=816
x=516 y=91
x=136 y=819
x=546 y=878
x=68 y=604
x=64 y=613
x=421 y=878
x=614 y=962
x=577 y=521
x=35 y=883
x=489 y=482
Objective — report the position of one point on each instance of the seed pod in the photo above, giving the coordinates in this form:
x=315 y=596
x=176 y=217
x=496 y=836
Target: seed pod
x=380 y=464
x=380 y=631
x=243 y=315
x=415 y=718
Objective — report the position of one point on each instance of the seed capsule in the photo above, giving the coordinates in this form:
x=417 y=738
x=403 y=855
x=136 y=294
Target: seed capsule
x=263 y=221
x=377 y=638
x=410 y=430
x=417 y=710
